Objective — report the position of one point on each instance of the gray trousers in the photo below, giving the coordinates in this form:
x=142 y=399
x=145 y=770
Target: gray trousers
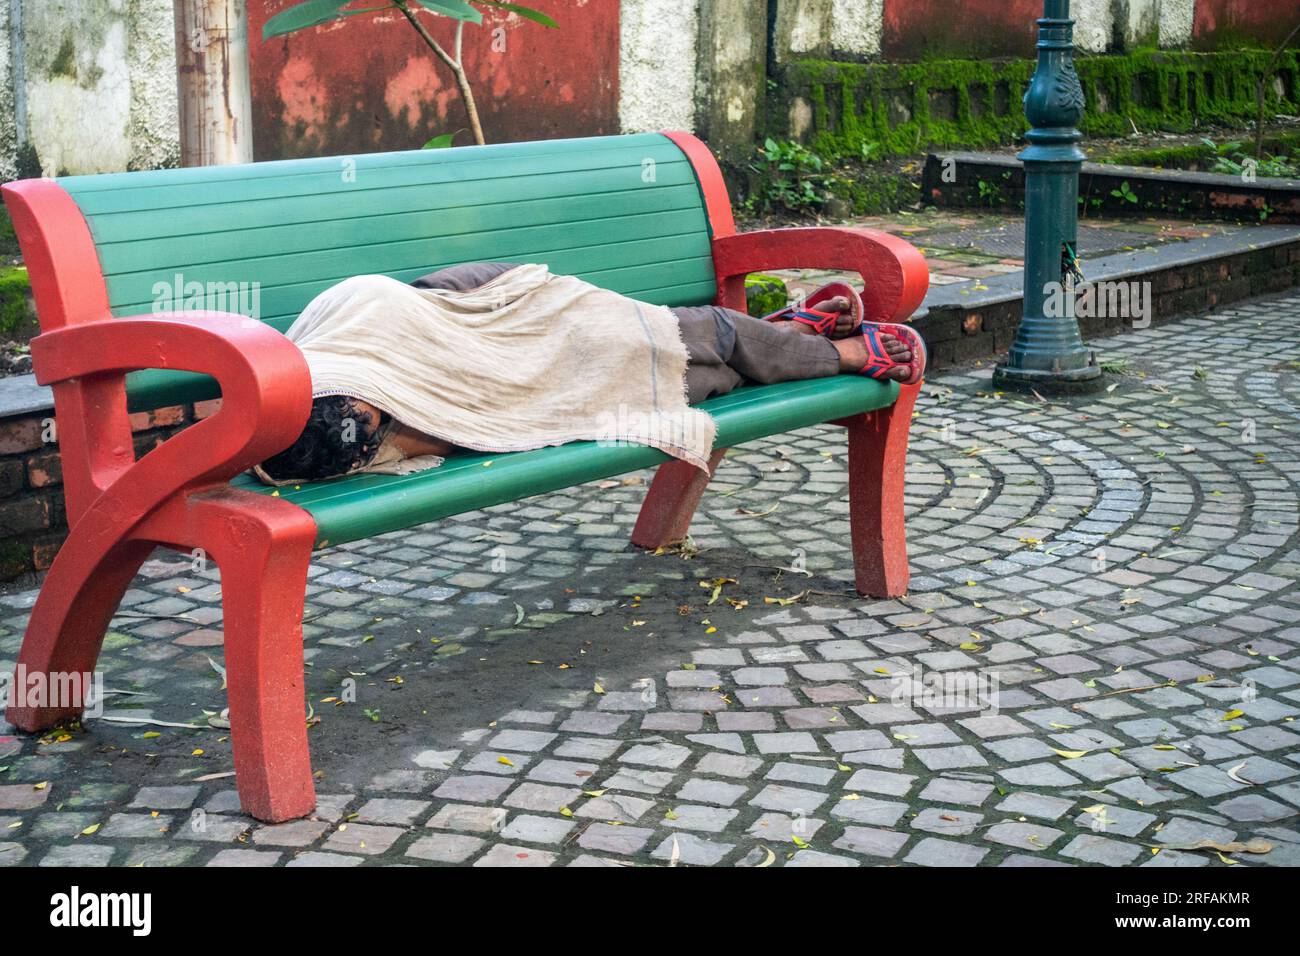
x=725 y=348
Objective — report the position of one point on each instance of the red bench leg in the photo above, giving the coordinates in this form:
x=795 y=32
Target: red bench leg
x=670 y=503
x=67 y=626
x=263 y=554
x=877 y=461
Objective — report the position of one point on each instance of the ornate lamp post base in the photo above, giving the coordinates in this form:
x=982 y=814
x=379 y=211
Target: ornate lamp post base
x=1048 y=354
x=1080 y=381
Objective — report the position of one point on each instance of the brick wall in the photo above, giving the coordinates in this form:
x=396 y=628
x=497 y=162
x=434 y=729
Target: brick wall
x=961 y=335
x=33 y=522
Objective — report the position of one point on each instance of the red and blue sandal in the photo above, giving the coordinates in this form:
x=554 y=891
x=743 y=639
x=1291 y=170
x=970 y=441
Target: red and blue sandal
x=823 y=322
x=878 y=360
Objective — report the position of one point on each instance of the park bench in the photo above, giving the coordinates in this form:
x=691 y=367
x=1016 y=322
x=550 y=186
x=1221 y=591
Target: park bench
x=646 y=215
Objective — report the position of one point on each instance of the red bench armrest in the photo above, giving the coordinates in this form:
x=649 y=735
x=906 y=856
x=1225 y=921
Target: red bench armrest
x=893 y=271
x=265 y=387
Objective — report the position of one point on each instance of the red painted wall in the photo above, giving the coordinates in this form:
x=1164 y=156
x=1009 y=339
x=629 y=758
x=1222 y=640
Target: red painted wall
x=969 y=28
x=1220 y=22
x=369 y=83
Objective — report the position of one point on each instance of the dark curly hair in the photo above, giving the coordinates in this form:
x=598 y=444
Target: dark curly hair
x=337 y=438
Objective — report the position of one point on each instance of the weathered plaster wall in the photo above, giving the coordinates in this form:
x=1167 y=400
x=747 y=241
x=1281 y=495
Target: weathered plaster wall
x=152 y=125
x=8 y=114
x=100 y=84
x=840 y=29
x=802 y=28
x=1176 y=19
x=914 y=29
x=369 y=83
x=1137 y=23
x=857 y=26
x=732 y=75
x=78 y=84
x=1223 y=22
x=658 y=56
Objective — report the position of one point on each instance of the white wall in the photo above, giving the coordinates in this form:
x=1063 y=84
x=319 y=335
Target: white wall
x=1176 y=20
x=856 y=27
x=99 y=80
x=658 y=52
x=8 y=117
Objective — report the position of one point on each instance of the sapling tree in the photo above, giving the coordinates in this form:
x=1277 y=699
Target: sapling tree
x=313 y=13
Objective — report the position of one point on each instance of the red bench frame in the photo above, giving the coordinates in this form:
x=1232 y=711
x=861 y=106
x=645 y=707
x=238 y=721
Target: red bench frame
x=178 y=495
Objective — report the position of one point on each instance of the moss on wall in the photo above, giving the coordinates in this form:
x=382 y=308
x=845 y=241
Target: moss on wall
x=15 y=288
x=764 y=294
x=904 y=108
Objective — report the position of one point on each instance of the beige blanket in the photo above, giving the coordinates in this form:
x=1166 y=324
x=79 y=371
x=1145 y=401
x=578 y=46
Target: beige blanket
x=530 y=359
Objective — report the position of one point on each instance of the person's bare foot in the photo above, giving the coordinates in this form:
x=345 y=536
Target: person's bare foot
x=854 y=355
x=843 y=325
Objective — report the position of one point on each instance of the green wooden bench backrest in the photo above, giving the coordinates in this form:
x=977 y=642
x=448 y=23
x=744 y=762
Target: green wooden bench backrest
x=623 y=212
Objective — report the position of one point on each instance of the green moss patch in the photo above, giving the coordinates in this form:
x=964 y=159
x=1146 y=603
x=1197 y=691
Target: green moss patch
x=904 y=108
x=14 y=290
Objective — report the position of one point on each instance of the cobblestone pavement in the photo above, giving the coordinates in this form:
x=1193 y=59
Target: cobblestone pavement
x=518 y=687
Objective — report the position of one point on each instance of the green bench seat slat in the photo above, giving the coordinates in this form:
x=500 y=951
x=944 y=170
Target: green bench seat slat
x=349 y=509
x=346 y=226
x=196 y=187
x=133 y=224
x=547 y=244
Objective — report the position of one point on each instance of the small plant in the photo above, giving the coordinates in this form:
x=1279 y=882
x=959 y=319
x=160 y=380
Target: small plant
x=990 y=193
x=1231 y=159
x=792 y=176
x=1115 y=366
x=1125 y=192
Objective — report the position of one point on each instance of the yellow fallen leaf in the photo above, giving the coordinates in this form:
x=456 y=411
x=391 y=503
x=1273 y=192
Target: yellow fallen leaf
x=1070 y=754
x=505 y=760
x=94 y=827
x=598 y=689
x=1232 y=715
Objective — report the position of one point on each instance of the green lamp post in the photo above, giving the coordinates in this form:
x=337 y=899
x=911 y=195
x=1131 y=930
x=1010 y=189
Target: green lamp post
x=1048 y=353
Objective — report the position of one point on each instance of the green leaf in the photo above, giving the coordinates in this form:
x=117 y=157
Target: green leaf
x=528 y=13
x=311 y=13
x=440 y=142
x=456 y=9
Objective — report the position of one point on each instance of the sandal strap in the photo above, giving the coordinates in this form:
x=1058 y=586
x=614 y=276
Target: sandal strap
x=823 y=322
x=878 y=360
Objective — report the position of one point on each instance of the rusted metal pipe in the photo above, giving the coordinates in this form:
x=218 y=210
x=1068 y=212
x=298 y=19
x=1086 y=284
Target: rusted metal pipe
x=213 y=89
